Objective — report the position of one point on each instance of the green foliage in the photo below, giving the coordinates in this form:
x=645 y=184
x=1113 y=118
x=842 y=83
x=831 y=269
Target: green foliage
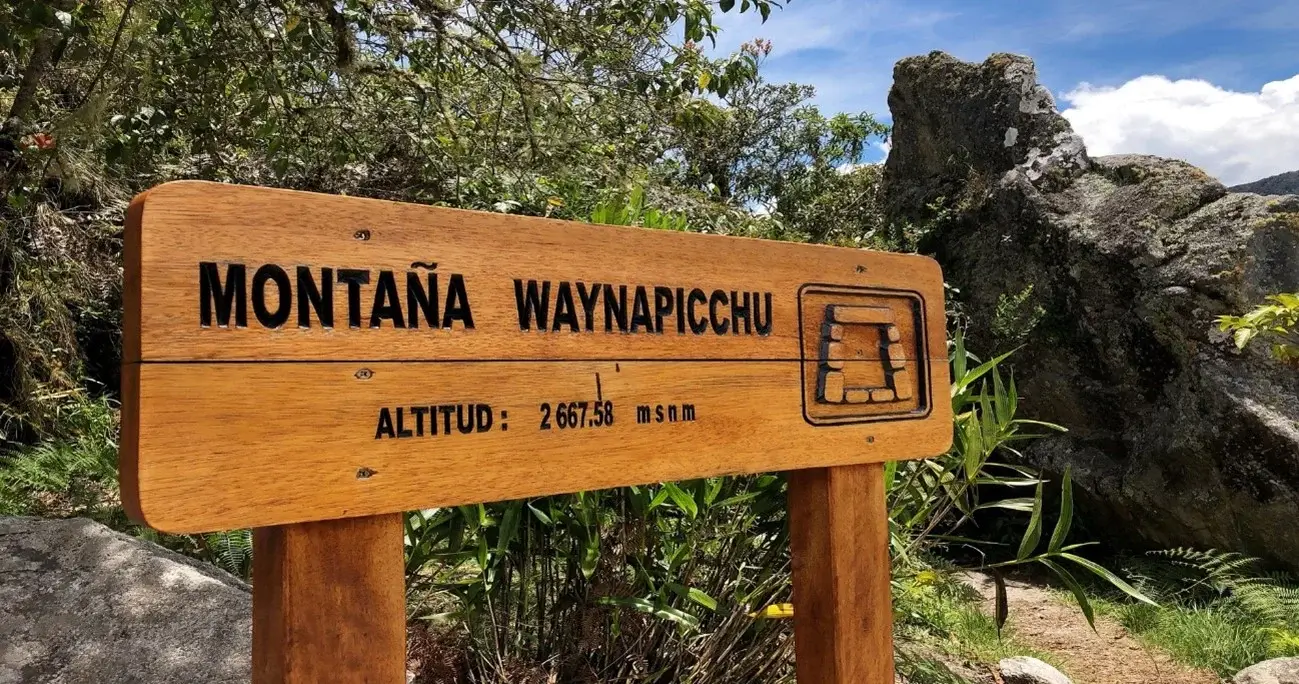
x=766 y=146
x=470 y=103
x=1275 y=321
x=933 y=499
x=937 y=609
x=662 y=583
x=605 y=110
x=630 y=210
x=76 y=476
x=1216 y=609
x=630 y=583
x=1016 y=316
x=1210 y=638
x=72 y=476
x=231 y=551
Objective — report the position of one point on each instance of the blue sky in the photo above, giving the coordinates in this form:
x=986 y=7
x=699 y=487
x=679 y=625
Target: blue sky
x=846 y=48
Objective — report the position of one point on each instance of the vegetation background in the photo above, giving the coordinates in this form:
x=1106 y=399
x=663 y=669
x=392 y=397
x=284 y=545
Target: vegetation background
x=602 y=110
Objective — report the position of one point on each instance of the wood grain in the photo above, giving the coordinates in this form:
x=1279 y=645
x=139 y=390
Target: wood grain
x=329 y=602
x=290 y=419
x=178 y=225
x=279 y=443
x=843 y=614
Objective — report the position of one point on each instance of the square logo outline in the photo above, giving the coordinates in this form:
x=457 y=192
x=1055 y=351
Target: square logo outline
x=925 y=398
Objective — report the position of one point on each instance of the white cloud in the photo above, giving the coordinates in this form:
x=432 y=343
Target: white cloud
x=1236 y=136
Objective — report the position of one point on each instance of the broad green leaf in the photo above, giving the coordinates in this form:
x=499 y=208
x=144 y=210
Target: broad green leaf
x=972 y=448
x=1033 y=534
x=590 y=556
x=739 y=498
x=1024 y=504
x=659 y=498
x=703 y=599
x=712 y=489
x=693 y=594
x=683 y=500
x=1012 y=396
x=959 y=356
x=1002 y=401
x=509 y=526
x=967 y=379
x=1066 y=513
x=1109 y=577
x=1040 y=423
x=1078 y=593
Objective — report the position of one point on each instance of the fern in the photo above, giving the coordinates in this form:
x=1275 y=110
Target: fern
x=231 y=551
x=1233 y=581
x=66 y=476
x=1216 y=569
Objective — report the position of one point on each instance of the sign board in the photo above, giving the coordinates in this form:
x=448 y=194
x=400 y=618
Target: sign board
x=291 y=357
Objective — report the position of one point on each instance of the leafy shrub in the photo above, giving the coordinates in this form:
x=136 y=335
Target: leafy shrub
x=1275 y=321
x=670 y=582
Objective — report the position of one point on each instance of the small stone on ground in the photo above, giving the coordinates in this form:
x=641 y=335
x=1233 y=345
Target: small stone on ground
x=1026 y=670
x=1276 y=671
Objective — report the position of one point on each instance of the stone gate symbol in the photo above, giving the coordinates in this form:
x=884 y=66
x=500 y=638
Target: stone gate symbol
x=839 y=347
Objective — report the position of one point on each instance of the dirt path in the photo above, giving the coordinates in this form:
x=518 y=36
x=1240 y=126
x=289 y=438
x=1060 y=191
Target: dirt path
x=1042 y=621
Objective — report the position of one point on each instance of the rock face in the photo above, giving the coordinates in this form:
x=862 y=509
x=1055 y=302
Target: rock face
x=1109 y=271
x=1278 y=671
x=1026 y=670
x=81 y=604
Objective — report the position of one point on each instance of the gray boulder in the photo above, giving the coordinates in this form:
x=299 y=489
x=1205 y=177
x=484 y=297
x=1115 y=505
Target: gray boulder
x=1277 y=671
x=1110 y=272
x=81 y=604
x=1026 y=670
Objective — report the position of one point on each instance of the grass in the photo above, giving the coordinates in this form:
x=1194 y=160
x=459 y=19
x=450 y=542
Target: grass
x=1217 y=637
x=935 y=610
x=1217 y=610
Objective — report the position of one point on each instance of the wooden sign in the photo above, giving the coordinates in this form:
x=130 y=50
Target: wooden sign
x=325 y=357
x=312 y=366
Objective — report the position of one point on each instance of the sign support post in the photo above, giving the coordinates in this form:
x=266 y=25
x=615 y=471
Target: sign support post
x=329 y=602
x=843 y=609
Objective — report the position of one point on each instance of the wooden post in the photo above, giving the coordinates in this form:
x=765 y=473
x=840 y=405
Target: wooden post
x=843 y=610
x=329 y=602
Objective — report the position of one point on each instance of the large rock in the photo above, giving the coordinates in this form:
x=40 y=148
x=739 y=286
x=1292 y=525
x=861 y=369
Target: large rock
x=1277 y=671
x=81 y=604
x=1109 y=271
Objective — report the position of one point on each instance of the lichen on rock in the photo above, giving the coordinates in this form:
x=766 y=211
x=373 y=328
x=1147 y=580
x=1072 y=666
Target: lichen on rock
x=1175 y=437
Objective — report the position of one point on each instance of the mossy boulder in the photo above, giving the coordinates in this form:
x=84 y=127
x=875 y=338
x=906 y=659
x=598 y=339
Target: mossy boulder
x=1175 y=436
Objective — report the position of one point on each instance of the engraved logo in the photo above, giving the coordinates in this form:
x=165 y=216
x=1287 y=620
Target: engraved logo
x=836 y=350
x=863 y=355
